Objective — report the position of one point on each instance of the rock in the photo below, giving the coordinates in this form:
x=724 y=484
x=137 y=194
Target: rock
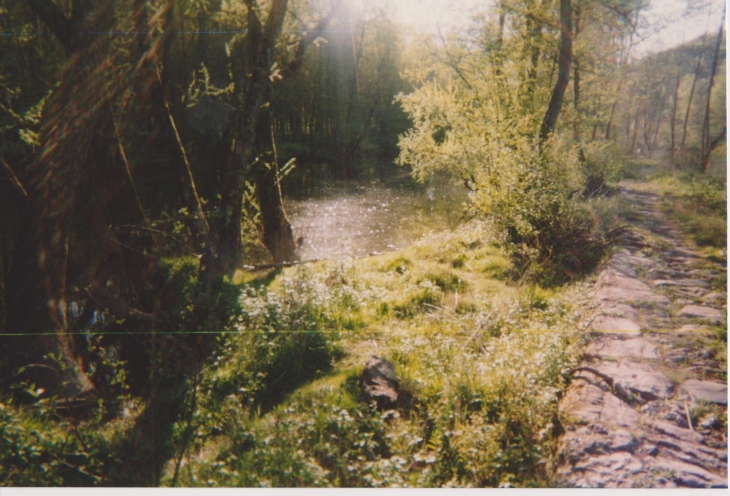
x=686 y=474
x=380 y=383
x=678 y=356
x=612 y=347
x=621 y=263
x=638 y=378
x=651 y=449
x=624 y=258
x=716 y=298
x=614 y=470
x=619 y=310
x=622 y=440
x=694 y=453
x=714 y=392
x=701 y=273
x=686 y=283
x=625 y=423
x=678 y=418
x=606 y=323
x=613 y=286
x=705 y=313
x=592 y=405
x=671 y=430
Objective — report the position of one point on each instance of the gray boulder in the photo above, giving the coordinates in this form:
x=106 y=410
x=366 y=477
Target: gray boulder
x=379 y=382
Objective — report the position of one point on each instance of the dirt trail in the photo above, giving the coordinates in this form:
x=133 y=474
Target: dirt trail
x=649 y=365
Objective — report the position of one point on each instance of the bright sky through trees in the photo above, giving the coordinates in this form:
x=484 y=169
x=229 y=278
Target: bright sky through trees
x=672 y=23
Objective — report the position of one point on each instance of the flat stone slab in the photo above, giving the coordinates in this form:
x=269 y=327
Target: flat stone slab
x=593 y=406
x=612 y=347
x=639 y=378
x=634 y=260
x=685 y=474
x=685 y=283
x=714 y=298
x=608 y=323
x=614 y=470
x=714 y=392
x=705 y=313
x=619 y=310
x=616 y=287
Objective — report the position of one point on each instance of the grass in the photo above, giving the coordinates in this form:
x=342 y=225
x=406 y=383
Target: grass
x=482 y=359
x=698 y=203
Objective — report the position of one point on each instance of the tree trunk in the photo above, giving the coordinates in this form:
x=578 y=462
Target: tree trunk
x=609 y=124
x=565 y=58
x=252 y=152
x=277 y=236
x=47 y=347
x=532 y=47
x=246 y=157
x=576 y=86
x=706 y=123
x=673 y=118
x=713 y=144
x=634 y=134
x=691 y=95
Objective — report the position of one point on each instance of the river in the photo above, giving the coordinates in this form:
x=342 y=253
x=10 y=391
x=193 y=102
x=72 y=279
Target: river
x=366 y=218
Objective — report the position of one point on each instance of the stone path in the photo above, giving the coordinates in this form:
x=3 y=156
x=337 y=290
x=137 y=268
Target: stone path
x=649 y=366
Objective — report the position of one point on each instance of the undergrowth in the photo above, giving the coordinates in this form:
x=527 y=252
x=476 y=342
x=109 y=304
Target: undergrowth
x=698 y=202
x=482 y=361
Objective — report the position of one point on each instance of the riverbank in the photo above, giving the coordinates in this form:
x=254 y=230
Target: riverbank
x=481 y=358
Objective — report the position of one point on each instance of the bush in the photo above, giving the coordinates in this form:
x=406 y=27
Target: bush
x=528 y=189
x=38 y=450
x=281 y=342
x=549 y=233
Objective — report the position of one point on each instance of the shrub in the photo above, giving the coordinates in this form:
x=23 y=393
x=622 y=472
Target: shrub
x=36 y=449
x=529 y=190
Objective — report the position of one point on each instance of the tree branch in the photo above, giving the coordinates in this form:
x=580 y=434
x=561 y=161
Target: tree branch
x=312 y=34
x=53 y=17
x=14 y=178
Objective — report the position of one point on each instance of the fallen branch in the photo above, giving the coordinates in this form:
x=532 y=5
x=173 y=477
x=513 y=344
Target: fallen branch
x=616 y=388
x=280 y=265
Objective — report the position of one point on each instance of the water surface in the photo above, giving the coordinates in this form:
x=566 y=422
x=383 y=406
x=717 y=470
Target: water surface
x=356 y=220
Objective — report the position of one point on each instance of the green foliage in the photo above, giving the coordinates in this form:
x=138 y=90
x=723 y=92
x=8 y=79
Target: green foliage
x=426 y=297
x=698 y=202
x=447 y=281
x=474 y=125
x=482 y=387
x=481 y=415
x=399 y=265
x=278 y=342
x=38 y=450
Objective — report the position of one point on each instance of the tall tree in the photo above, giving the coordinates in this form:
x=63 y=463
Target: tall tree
x=253 y=148
x=565 y=59
x=709 y=144
x=695 y=75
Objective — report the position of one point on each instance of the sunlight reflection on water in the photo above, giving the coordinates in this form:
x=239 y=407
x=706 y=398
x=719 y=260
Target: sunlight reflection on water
x=359 y=220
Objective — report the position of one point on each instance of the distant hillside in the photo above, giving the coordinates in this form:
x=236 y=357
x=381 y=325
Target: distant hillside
x=685 y=56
